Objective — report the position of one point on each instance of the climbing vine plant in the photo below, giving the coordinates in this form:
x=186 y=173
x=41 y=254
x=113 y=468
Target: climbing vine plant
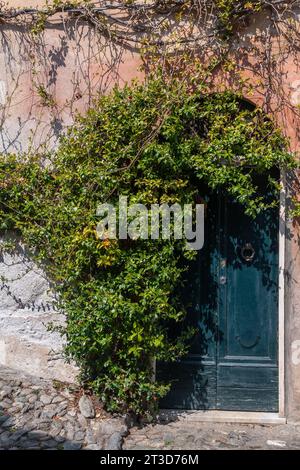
x=123 y=20
x=154 y=142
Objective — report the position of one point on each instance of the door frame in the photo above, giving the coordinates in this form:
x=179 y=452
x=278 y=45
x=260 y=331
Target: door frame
x=281 y=296
x=248 y=416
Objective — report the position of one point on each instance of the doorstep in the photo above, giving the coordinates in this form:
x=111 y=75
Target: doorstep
x=217 y=416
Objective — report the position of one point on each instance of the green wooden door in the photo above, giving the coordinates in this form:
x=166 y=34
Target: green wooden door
x=232 y=296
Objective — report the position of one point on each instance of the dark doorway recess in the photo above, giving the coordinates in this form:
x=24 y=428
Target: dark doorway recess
x=232 y=299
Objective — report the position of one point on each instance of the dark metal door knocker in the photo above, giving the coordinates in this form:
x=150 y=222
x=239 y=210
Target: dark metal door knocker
x=248 y=252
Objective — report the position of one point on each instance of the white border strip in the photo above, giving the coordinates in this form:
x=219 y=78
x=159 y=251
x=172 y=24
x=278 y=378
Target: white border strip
x=281 y=296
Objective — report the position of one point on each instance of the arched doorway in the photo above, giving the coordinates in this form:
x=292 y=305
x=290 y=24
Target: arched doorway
x=232 y=301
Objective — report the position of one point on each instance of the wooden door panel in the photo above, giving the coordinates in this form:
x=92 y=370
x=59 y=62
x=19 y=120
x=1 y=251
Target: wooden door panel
x=247 y=399
x=247 y=376
x=194 y=377
x=247 y=388
x=247 y=346
x=193 y=385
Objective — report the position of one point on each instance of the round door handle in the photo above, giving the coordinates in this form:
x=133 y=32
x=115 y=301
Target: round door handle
x=248 y=252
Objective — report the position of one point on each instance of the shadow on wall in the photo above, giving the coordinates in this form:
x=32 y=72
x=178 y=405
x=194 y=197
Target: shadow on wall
x=47 y=78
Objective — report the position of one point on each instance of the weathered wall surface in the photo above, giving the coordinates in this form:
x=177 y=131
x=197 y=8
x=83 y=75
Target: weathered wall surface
x=292 y=322
x=27 y=308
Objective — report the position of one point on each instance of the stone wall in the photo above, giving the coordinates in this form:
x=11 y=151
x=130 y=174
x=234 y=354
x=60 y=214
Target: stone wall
x=27 y=307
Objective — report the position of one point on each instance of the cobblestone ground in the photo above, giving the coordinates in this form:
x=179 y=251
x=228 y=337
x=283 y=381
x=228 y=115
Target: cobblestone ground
x=181 y=435
x=36 y=414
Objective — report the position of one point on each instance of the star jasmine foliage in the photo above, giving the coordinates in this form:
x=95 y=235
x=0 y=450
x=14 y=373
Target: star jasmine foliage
x=155 y=142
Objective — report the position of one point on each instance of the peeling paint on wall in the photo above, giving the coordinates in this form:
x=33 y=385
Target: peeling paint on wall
x=296 y=352
x=295 y=93
x=2 y=352
x=3 y=93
